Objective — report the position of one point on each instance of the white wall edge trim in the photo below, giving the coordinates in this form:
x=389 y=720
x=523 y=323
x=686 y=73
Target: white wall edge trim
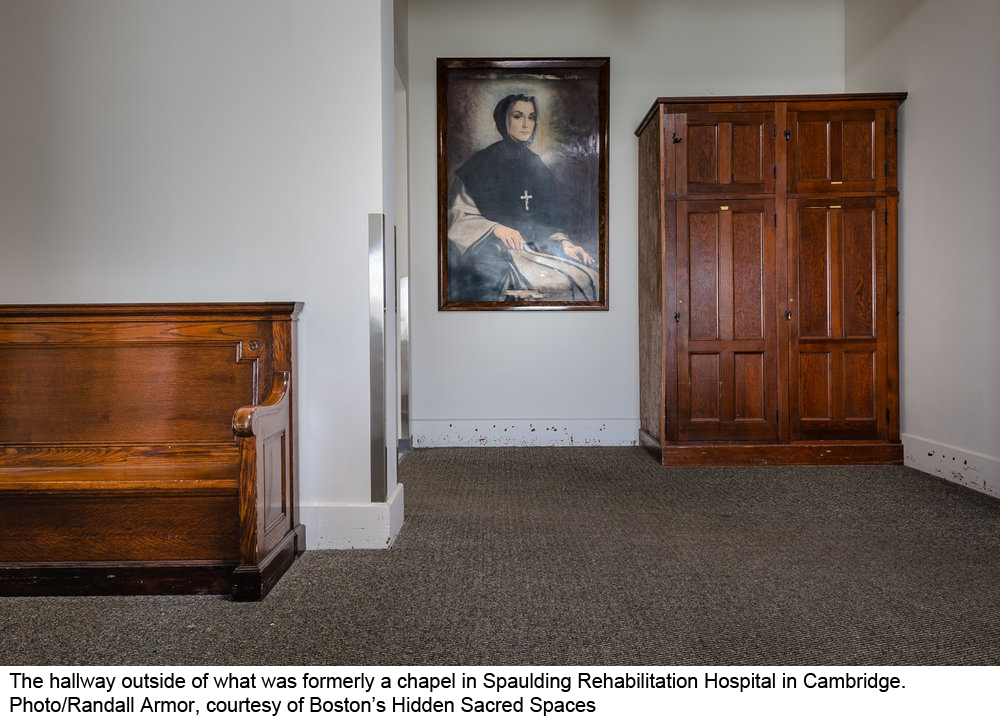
x=972 y=470
x=353 y=525
x=428 y=433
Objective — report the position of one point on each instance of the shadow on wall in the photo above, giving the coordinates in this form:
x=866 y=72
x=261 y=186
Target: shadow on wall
x=881 y=19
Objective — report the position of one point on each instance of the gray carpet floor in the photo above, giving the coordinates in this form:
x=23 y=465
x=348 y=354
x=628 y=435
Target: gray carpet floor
x=592 y=556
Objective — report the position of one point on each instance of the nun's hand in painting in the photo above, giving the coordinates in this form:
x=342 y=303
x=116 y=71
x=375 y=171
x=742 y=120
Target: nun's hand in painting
x=576 y=252
x=511 y=238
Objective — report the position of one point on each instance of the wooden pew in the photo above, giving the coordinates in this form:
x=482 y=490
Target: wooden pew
x=148 y=449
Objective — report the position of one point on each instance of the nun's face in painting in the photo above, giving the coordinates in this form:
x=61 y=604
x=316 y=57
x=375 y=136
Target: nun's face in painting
x=521 y=122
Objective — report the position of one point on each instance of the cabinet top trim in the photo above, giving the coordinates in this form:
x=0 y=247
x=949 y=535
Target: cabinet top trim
x=659 y=103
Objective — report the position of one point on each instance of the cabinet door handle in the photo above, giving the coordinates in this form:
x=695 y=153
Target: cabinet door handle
x=677 y=317
x=788 y=315
x=676 y=139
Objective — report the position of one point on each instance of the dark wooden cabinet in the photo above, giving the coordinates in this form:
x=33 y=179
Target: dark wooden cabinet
x=767 y=283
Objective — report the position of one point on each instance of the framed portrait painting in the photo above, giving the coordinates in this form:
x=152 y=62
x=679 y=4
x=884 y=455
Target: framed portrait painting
x=522 y=183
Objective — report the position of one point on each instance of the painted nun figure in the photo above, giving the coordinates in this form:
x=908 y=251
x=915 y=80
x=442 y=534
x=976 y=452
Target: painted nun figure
x=505 y=222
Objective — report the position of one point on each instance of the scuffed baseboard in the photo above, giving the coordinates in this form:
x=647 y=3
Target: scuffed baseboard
x=972 y=470
x=429 y=433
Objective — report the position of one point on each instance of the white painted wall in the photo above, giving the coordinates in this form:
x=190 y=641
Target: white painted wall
x=536 y=377
x=945 y=53
x=183 y=150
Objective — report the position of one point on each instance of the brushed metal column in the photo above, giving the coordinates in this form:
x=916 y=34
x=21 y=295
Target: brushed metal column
x=376 y=350
x=403 y=304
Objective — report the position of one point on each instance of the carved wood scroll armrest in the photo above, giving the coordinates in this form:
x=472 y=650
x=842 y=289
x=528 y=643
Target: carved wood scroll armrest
x=255 y=420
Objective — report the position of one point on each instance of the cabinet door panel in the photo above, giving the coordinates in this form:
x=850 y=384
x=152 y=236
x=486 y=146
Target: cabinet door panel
x=857 y=160
x=859 y=386
x=704 y=239
x=750 y=401
x=859 y=273
x=837 y=350
x=705 y=376
x=814 y=273
x=727 y=344
x=724 y=153
x=814 y=386
x=703 y=153
x=836 y=151
x=749 y=258
x=813 y=149
x=750 y=155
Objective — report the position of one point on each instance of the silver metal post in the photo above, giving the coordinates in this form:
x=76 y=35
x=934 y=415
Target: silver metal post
x=403 y=304
x=376 y=327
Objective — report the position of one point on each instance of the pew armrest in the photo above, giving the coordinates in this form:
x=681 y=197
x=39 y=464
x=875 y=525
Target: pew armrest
x=268 y=416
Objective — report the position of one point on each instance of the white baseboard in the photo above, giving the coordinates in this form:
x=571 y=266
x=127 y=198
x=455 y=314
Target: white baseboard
x=429 y=433
x=976 y=471
x=350 y=525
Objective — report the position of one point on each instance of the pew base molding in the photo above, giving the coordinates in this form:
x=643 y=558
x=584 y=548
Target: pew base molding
x=194 y=577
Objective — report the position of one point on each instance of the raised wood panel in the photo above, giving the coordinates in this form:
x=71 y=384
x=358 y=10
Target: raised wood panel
x=748 y=270
x=749 y=401
x=276 y=493
x=858 y=260
x=56 y=394
x=836 y=150
x=857 y=157
x=703 y=277
x=814 y=163
x=703 y=154
x=859 y=385
x=814 y=386
x=749 y=153
x=705 y=376
x=812 y=292
x=724 y=153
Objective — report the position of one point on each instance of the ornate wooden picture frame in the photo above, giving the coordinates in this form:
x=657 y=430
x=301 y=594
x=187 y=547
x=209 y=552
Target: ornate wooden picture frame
x=522 y=183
